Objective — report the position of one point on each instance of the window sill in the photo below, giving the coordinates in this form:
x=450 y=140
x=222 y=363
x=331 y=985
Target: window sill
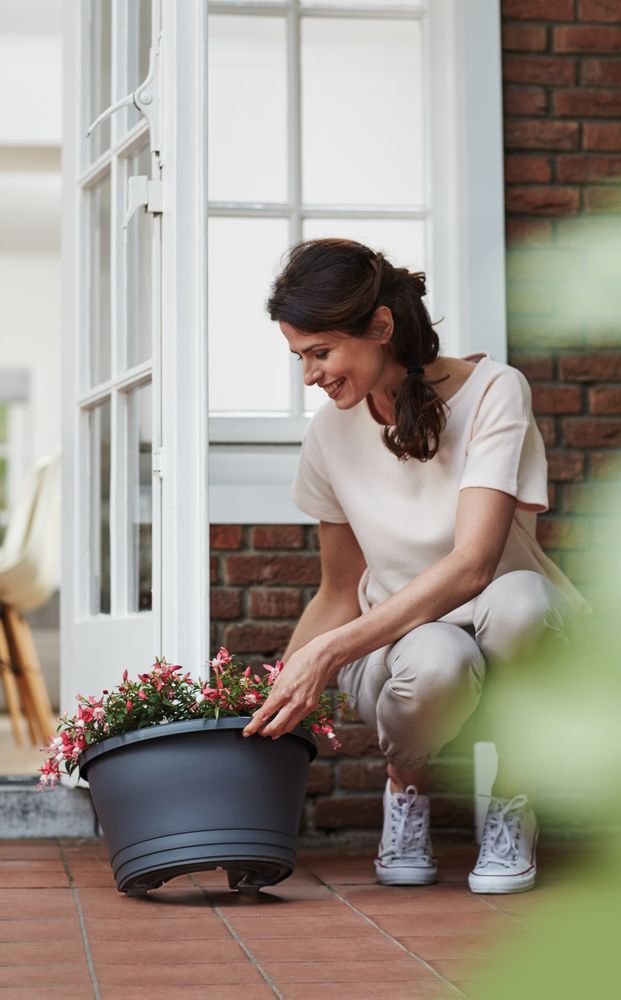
x=249 y=484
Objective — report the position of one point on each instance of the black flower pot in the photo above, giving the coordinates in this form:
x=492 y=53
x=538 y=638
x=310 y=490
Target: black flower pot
x=190 y=796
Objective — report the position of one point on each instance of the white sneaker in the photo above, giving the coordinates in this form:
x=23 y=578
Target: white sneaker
x=405 y=855
x=506 y=860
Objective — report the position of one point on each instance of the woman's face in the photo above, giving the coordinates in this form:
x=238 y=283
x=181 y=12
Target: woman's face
x=347 y=368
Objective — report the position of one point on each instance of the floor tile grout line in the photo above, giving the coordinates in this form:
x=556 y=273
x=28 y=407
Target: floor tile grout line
x=78 y=906
x=237 y=937
x=384 y=933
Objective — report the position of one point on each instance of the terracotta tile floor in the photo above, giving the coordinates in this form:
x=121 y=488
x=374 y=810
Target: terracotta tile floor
x=328 y=931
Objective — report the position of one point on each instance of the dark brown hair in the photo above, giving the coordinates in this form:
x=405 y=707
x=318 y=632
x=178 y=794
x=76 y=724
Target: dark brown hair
x=335 y=284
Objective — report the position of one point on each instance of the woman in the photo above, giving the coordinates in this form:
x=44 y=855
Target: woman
x=426 y=474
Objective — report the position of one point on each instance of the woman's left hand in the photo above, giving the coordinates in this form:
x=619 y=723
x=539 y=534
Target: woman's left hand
x=295 y=692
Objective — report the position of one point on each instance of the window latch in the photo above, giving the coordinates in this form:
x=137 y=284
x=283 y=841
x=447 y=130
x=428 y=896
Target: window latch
x=146 y=97
x=142 y=192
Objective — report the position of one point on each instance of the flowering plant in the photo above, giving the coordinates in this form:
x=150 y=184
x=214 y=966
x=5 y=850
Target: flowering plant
x=164 y=695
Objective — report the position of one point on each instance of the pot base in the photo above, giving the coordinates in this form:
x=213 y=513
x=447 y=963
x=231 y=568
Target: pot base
x=251 y=862
x=246 y=876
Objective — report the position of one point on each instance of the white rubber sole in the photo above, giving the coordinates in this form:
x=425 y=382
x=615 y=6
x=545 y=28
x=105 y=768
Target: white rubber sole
x=405 y=875
x=497 y=884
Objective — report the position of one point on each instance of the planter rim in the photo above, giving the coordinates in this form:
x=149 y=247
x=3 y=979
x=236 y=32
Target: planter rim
x=163 y=729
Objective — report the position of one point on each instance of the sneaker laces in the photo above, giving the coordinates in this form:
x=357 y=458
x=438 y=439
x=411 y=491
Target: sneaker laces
x=502 y=830
x=409 y=825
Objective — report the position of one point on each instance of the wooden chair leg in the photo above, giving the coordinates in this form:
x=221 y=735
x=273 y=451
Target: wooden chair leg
x=27 y=708
x=27 y=663
x=9 y=685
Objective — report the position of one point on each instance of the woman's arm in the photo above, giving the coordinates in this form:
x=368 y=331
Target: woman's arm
x=484 y=518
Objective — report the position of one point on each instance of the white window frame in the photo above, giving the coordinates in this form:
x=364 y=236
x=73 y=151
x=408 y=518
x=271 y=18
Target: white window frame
x=253 y=457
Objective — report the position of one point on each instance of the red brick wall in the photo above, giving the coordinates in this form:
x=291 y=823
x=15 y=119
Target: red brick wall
x=562 y=93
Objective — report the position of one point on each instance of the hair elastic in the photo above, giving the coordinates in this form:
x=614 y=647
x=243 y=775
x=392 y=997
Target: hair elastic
x=415 y=370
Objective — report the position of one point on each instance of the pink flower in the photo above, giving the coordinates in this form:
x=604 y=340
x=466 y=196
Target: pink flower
x=142 y=694
x=84 y=714
x=273 y=672
x=49 y=775
x=207 y=692
x=222 y=658
x=125 y=675
x=129 y=705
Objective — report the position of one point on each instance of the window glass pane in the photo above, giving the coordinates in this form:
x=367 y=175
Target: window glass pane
x=99 y=75
x=362 y=131
x=140 y=498
x=138 y=38
x=99 y=488
x=247 y=109
x=98 y=285
x=4 y=423
x=401 y=240
x=248 y=359
x=138 y=272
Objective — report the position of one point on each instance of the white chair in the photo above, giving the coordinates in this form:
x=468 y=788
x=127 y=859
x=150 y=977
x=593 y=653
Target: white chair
x=29 y=574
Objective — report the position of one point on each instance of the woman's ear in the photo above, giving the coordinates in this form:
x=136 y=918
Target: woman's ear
x=382 y=325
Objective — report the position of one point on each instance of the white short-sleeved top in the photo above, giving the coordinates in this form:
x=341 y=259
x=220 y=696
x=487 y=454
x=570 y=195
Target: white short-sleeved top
x=403 y=513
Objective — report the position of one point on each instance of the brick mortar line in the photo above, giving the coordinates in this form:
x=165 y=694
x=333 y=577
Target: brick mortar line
x=78 y=906
x=565 y=119
x=238 y=938
x=369 y=920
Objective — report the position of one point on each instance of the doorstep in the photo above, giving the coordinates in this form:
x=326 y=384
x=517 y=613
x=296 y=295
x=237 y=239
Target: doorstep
x=26 y=812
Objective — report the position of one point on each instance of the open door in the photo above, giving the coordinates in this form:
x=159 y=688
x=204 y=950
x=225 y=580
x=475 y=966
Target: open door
x=134 y=391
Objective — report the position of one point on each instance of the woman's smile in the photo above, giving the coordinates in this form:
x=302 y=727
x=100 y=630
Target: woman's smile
x=333 y=388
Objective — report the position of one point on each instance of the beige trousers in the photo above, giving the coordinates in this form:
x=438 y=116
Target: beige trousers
x=419 y=691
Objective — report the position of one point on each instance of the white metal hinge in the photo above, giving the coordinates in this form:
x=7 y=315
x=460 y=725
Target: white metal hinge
x=143 y=192
x=159 y=462
x=147 y=98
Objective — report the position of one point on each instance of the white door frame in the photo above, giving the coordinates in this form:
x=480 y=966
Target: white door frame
x=185 y=562
x=181 y=631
